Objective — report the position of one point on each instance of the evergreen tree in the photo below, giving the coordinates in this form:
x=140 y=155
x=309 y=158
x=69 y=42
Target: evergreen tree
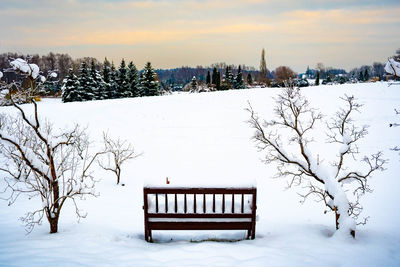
x=193 y=84
x=85 y=90
x=113 y=82
x=214 y=76
x=133 y=79
x=148 y=81
x=317 y=79
x=108 y=91
x=124 y=89
x=70 y=88
x=361 y=77
x=366 y=75
x=208 y=79
x=239 y=83
x=218 y=80
x=96 y=82
x=228 y=79
x=249 y=79
x=229 y=76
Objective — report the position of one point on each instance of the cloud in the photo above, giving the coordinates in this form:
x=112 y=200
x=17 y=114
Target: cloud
x=285 y=28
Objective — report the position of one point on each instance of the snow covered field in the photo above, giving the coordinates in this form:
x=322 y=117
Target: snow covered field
x=203 y=139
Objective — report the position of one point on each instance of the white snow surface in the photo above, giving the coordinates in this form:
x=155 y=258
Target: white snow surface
x=203 y=139
x=1 y=75
x=25 y=67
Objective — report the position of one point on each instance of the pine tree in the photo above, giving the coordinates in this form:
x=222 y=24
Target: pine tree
x=239 y=83
x=208 y=79
x=361 y=77
x=122 y=81
x=218 y=80
x=113 y=82
x=317 y=79
x=231 y=77
x=214 y=76
x=108 y=92
x=193 y=84
x=70 y=88
x=148 y=81
x=249 y=79
x=366 y=75
x=84 y=89
x=228 y=80
x=133 y=79
x=96 y=83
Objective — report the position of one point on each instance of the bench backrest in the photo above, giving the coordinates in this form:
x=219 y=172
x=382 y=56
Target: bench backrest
x=199 y=202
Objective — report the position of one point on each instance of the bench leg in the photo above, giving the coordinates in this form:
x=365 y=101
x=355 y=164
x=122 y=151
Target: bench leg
x=150 y=236
x=248 y=234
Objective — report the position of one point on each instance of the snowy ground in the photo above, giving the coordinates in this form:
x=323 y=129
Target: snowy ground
x=203 y=139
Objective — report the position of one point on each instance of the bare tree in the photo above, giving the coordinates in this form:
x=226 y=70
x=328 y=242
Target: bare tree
x=39 y=161
x=118 y=151
x=284 y=74
x=286 y=141
x=322 y=70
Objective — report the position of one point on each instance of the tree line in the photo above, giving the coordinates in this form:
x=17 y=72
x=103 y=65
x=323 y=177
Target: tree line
x=109 y=83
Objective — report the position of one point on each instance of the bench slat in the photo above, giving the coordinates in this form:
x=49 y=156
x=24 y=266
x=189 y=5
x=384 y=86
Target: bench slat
x=185 y=208
x=199 y=225
x=156 y=202
x=194 y=203
x=176 y=203
x=182 y=190
x=204 y=203
x=233 y=203
x=214 y=203
x=199 y=215
x=242 y=203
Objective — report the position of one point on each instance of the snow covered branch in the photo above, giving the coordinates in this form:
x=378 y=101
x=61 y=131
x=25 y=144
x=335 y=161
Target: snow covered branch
x=285 y=141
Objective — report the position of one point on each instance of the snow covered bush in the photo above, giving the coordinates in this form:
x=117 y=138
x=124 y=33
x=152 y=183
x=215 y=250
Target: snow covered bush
x=286 y=141
x=44 y=163
x=19 y=94
x=393 y=67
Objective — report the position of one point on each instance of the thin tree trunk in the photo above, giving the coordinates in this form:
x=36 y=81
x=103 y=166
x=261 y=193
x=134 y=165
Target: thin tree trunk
x=53 y=216
x=53 y=224
x=337 y=216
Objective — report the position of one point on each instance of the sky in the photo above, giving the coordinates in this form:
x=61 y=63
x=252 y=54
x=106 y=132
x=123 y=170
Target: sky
x=173 y=33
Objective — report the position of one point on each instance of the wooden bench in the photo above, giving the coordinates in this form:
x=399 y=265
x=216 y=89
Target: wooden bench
x=199 y=209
